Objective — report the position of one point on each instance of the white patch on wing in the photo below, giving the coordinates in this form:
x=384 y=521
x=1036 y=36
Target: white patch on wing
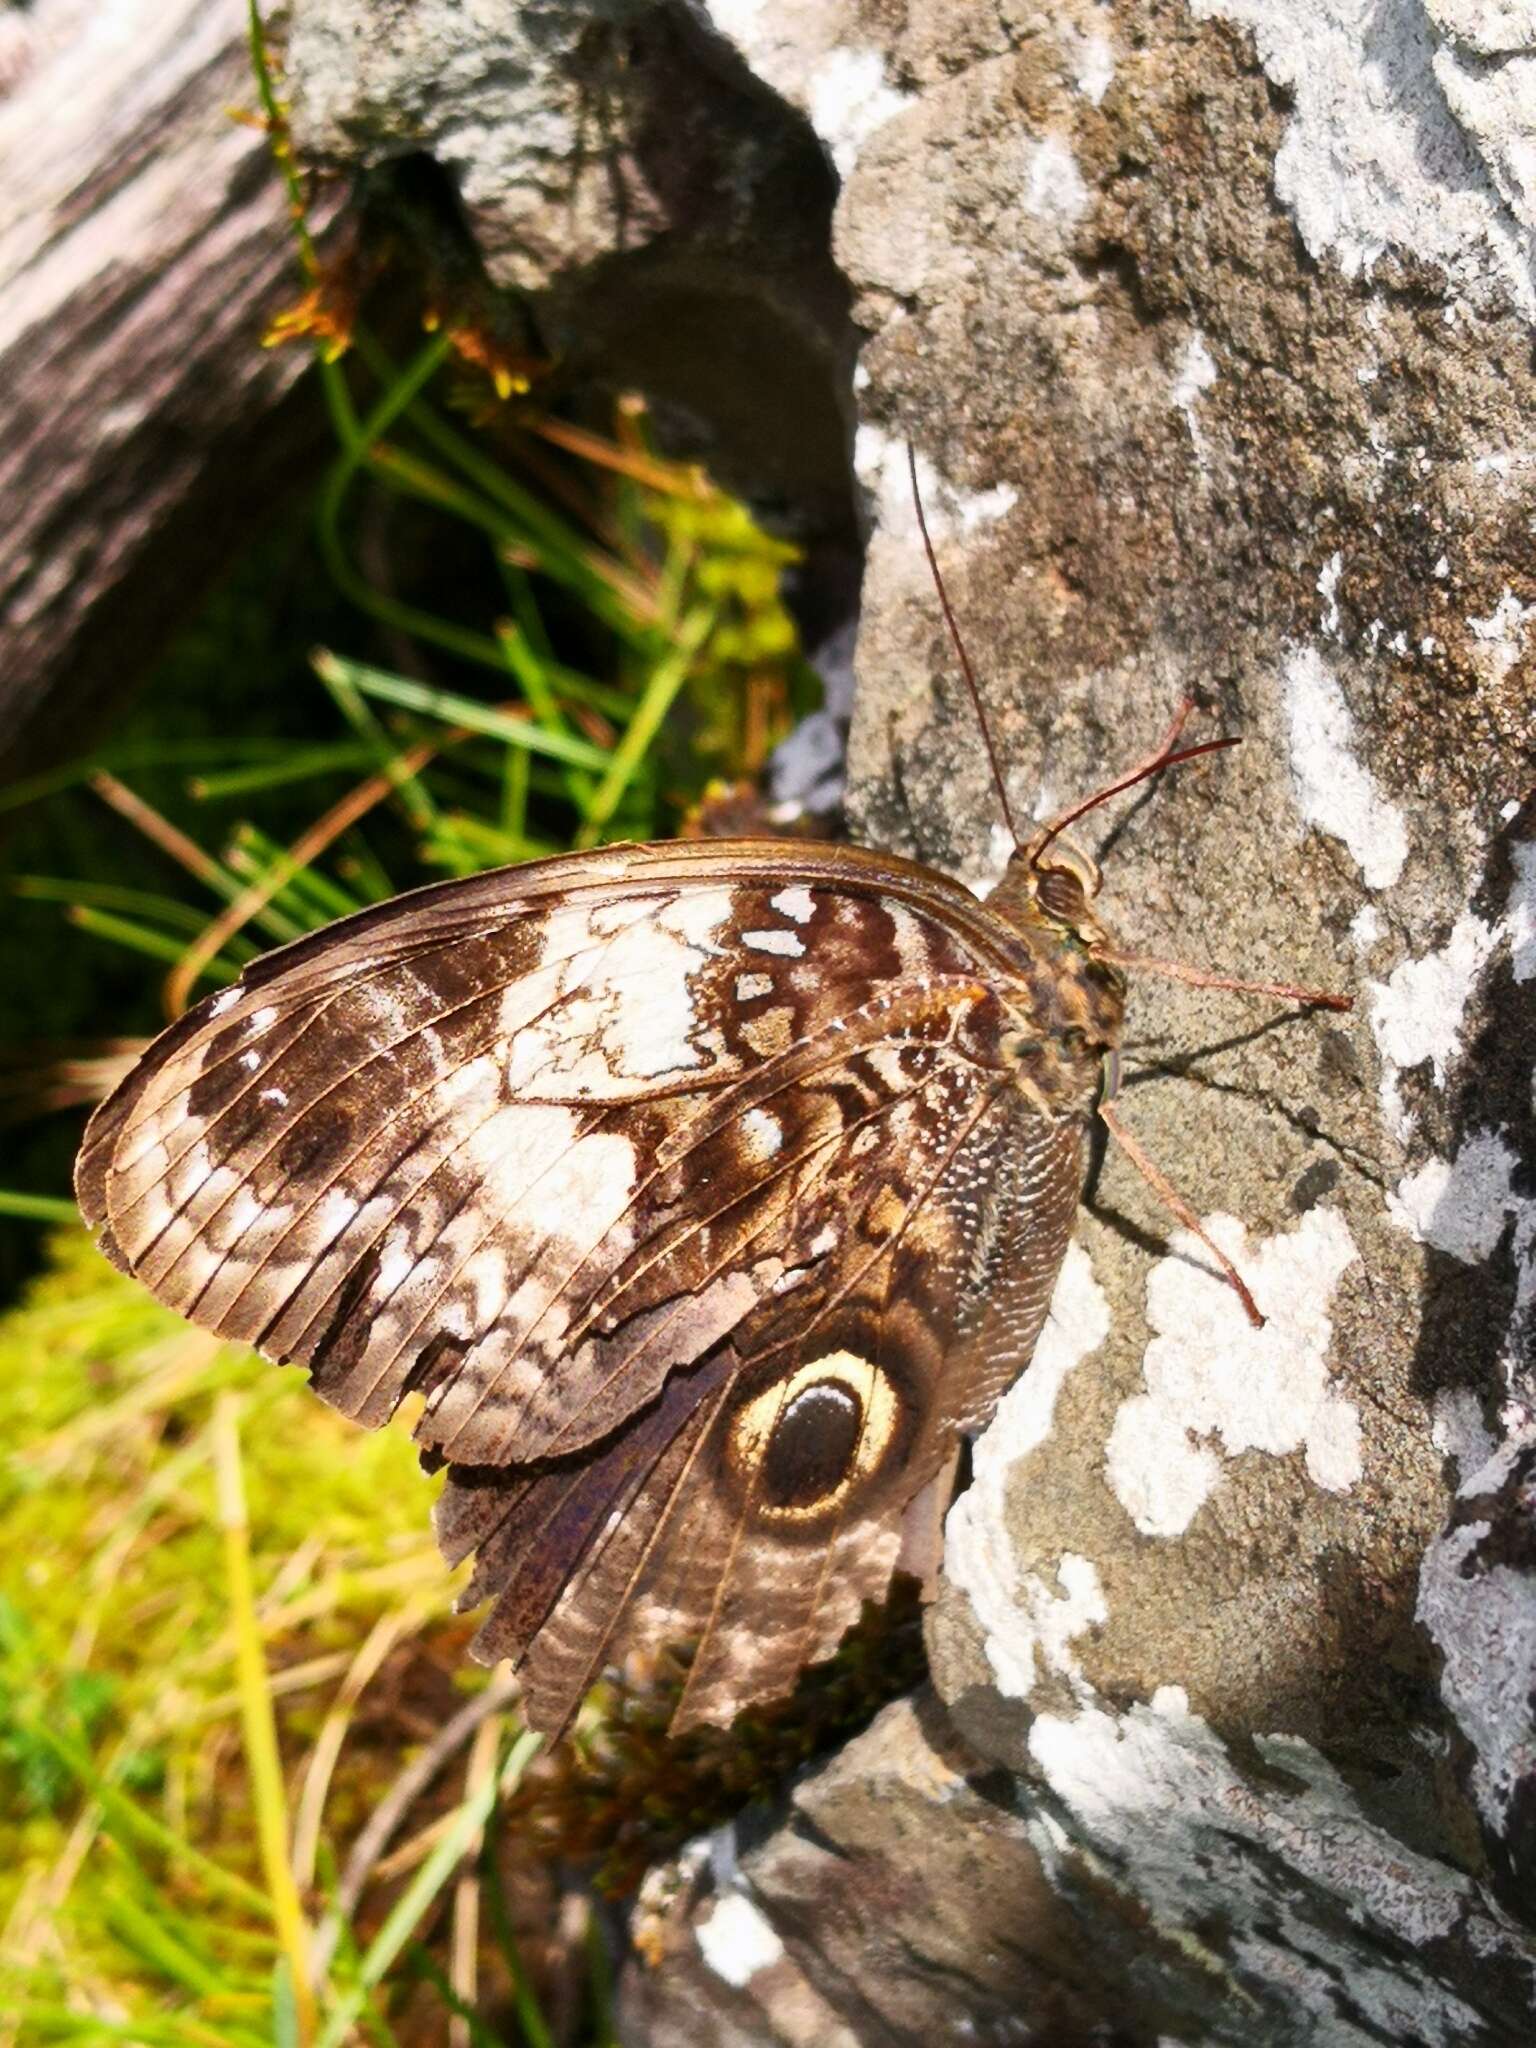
x=576 y=1183
x=334 y=1212
x=750 y=986
x=485 y=1275
x=788 y=943
x=250 y=1061
x=797 y=903
x=242 y=1213
x=764 y=1133
x=696 y=915
x=908 y=938
x=611 y=1001
x=544 y=1188
x=396 y=1259
x=188 y=1175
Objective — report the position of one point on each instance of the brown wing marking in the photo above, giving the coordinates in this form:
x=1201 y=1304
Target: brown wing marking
x=643 y=1296
x=443 y=1042
x=656 y=1551
x=763 y=1625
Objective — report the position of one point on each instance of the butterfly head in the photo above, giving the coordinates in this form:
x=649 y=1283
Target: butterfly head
x=1048 y=890
x=1061 y=882
x=1071 y=1003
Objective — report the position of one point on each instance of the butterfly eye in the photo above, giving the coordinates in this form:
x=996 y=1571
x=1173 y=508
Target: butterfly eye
x=1059 y=893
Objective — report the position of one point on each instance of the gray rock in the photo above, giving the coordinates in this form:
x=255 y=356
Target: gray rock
x=620 y=160
x=1193 y=1895
x=1477 y=1600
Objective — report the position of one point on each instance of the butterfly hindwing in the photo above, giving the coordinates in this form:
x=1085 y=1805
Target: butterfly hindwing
x=749 y=1513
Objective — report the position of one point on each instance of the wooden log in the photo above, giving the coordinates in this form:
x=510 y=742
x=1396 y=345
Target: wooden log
x=144 y=244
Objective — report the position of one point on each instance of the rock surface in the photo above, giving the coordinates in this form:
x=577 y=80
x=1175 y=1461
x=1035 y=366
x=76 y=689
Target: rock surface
x=1212 y=328
x=624 y=162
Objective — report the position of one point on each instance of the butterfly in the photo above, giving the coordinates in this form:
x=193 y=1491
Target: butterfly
x=706 y=1195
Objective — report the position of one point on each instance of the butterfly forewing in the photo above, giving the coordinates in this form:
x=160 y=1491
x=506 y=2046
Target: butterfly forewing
x=676 y=1179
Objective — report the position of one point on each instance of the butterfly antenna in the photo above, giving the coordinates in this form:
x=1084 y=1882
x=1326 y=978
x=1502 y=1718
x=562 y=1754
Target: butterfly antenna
x=1166 y=754
x=965 y=659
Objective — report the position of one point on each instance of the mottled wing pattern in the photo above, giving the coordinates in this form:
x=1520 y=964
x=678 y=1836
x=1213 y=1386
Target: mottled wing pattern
x=778 y=1484
x=668 y=1177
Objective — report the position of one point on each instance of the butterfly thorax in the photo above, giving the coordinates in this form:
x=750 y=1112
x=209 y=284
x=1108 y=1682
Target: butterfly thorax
x=1071 y=1004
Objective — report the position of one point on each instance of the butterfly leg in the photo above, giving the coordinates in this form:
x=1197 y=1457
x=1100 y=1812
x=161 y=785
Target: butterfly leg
x=1175 y=1203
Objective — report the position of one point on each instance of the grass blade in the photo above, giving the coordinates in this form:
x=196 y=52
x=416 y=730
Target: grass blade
x=453 y=709
x=124 y=1818
x=37 y=1208
x=436 y=1869
x=667 y=678
x=140 y=939
x=257 y=1717
x=299 y=764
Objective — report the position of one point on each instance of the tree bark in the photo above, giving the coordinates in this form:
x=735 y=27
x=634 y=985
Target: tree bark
x=144 y=243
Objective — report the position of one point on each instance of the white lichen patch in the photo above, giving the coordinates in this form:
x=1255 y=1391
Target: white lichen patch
x=1460 y=1205
x=1214 y=1382
x=737 y=1939
x=1465 y=1207
x=1053 y=185
x=1366 y=927
x=983 y=869
x=1328 y=590
x=1029 y=1621
x=1195 y=375
x=880 y=463
x=1374 y=159
x=1334 y=790
x=1501 y=635
x=848 y=99
x=1091 y=56
x=1416 y=1013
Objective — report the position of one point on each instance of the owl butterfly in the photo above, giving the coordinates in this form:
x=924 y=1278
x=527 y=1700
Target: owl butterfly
x=706 y=1196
